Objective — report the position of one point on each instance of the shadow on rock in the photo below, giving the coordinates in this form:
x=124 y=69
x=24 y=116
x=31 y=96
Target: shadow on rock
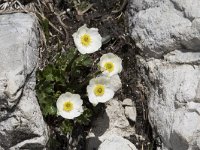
x=99 y=127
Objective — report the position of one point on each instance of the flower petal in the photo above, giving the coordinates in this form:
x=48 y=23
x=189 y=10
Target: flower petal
x=96 y=39
x=77 y=108
x=108 y=91
x=110 y=57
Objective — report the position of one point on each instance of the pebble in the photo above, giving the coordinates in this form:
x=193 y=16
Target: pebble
x=127 y=102
x=130 y=112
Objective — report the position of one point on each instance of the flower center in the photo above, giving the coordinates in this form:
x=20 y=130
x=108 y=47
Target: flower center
x=99 y=90
x=109 y=66
x=68 y=106
x=86 y=40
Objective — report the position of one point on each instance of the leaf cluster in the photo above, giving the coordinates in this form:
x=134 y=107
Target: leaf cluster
x=69 y=73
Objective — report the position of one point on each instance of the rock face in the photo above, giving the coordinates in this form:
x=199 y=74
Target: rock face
x=112 y=122
x=161 y=27
x=174 y=103
x=116 y=143
x=21 y=122
x=167 y=32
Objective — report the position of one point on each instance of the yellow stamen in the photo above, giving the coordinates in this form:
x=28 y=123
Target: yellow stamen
x=86 y=40
x=99 y=90
x=68 y=106
x=109 y=66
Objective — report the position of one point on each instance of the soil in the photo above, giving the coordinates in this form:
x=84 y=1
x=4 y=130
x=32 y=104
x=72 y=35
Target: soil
x=110 y=17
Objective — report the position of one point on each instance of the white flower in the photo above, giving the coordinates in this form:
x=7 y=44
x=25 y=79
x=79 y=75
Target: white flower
x=110 y=64
x=100 y=90
x=69 y=105
x=87 y=40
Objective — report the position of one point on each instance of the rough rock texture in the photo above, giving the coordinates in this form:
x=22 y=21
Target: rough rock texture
x=174 y=103
x=161 y=27
x=127 y=102
x=130 y=112
x=130 y=109
x=116 y=143
x=21 y=122
x=112 y=122
x=167 y=34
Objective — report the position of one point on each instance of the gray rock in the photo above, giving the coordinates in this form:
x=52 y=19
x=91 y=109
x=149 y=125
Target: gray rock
x=168 y=37
x=189 y=8
x=112 y=121
x=177 y=86
x=21 y=122
x=127 y=102
x=116 y=82
x=113 y=142
x=174 y=100
x=181 y=57
x=185 y=130
x=138 y=5
x=166 y=27
x=130 y=112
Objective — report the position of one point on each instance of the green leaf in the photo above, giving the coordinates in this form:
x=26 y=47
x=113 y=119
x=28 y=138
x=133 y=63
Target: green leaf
x=81 y=66
x=84 y=119
x=49 y=110
x=66 y=127
x=83 y=60
x=58 y=75
x=48 y=72
x=41 y=97
x=57 y=94
x=49 y=77
x=44 y=91
x=46 y=87
x=65 y=60
x=39 y=75
x=49 y=89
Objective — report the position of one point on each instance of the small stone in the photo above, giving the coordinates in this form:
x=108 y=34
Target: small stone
x=130 y=113
x=116 y=82
x=127 y=102
x=114 y=142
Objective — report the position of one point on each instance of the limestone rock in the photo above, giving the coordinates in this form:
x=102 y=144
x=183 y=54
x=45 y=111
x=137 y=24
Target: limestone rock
x=130 y=112
x=173 y=88
x=112 y=121
x=113 y=142
x=116 y=82
x=189 y=8
x=165 y=27
x=127 y=102
x=21 y=122
x=185 y=130
x=174 y=99
x=168 y=37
